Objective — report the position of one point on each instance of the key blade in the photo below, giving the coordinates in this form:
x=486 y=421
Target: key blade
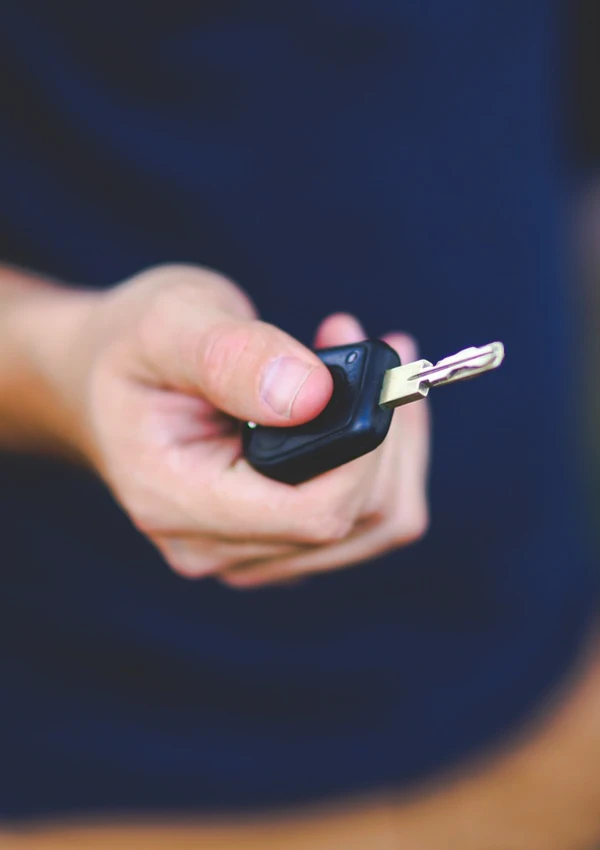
x=411 y=382
x=464 y=365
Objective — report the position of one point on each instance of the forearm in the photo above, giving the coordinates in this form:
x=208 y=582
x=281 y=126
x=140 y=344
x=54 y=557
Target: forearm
x=41 y=324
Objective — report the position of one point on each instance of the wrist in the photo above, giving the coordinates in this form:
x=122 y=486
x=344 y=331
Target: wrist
x=44 y=356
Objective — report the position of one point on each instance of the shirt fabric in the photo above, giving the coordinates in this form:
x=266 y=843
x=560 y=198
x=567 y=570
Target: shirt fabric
x=399 y=159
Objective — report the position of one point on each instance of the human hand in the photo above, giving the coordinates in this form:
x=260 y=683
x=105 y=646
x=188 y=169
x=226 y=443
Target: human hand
x=166 y=364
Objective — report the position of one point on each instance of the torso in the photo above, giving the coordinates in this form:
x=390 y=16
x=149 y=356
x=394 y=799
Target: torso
x=397 y=160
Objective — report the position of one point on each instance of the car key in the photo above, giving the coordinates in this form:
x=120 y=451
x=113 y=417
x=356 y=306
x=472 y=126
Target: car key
x=369 y=382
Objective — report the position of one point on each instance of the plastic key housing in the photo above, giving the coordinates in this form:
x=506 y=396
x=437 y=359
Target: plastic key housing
x=351 y=425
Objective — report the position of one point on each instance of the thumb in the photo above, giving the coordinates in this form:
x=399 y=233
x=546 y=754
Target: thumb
x=246 y=368
x=255 y=371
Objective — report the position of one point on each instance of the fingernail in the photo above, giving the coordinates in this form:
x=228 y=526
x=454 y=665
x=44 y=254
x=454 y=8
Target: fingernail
x=281 y=383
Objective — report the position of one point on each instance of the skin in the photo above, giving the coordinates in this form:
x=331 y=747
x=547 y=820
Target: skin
x=141 y=383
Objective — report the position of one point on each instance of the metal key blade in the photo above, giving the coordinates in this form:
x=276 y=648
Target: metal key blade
x=466 y=364
x=413 y=381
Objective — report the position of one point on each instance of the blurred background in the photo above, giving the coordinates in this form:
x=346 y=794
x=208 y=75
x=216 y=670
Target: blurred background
x=583 y=105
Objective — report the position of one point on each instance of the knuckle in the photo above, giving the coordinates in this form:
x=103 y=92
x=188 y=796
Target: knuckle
x=171 y=275
x=240 y=581
x=187 y=560
x=227 y=294
x=413 y=526
x=185 y=281
x=163 y=306
x=163 y=271
x=180 y=289
x=375 y=515
x=325 y=528
x=145 y=524
x=195 y=567
x=168 y=283
x=147 y=519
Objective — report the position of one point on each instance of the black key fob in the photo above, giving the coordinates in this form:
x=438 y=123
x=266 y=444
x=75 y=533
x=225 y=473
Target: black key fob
x=352 y=424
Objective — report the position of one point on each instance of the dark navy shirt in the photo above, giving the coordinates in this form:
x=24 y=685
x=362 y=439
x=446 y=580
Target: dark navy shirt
x=399 y=159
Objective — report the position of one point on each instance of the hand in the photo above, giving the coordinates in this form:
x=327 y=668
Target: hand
x=165 y=360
